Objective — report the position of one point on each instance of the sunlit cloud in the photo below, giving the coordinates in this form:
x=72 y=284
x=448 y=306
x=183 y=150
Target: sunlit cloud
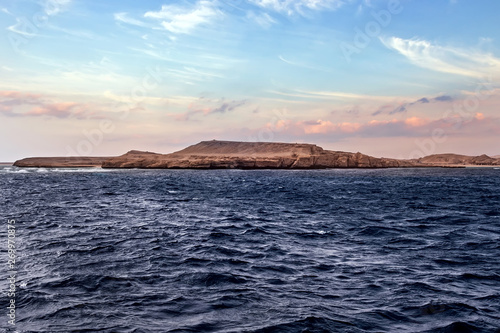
x=20 y=104
x=409 y=127
x=322 y=126
x=183 y=20
x=446 y=59
x=291 y=7
x=58 y=110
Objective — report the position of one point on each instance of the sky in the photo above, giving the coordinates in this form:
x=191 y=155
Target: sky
x=388 y=78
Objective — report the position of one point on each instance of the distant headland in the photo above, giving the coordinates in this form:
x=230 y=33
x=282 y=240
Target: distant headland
x=255 y=155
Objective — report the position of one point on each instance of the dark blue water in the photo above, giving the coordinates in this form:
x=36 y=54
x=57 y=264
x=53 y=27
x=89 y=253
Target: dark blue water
x=397 y=250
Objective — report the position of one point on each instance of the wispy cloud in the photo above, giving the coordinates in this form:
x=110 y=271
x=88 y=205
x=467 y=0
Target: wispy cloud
x=208 y=107
x=263 y=19
x=6 y=11
x=291 y=7
x=20 y=28
x=125 y=18
x=76 y=33
x=403 y=107
x=184 y=20
x=446 y=59
x=335 y=95
x=302 y=65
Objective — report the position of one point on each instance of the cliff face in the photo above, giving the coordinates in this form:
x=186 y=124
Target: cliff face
x=252 y=155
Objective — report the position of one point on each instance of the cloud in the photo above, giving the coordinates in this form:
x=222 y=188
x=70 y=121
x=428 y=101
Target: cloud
x=389 y=128
x=390 y=109
x=411 y=127
x=444 y=98
x=15 y=103
x=58 y=110
x=181 y=20
x=76 y=33
x=335 y=95
x=263 y=19
x=291 y=7
x=201 y=107
x=23 y=27
x=15 y=98
x=321 y=126
x=123 y=17
x=446 y=59
x=228 y=106
x=399 y=109
x=6 y=11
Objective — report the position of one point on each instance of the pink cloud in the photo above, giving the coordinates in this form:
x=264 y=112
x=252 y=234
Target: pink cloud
x=10 y=99
x=58 y=110
x=416 y=121
x=409 y=127
x=16 y=95
x=14 y=103
x=479 y=116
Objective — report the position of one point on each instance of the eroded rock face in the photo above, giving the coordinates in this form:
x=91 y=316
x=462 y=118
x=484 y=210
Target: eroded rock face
x=252 y=155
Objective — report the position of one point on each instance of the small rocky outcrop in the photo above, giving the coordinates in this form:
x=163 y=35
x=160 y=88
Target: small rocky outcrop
x=61 y=162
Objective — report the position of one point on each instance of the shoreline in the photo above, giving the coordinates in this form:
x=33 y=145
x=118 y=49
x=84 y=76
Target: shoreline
x=257 y=169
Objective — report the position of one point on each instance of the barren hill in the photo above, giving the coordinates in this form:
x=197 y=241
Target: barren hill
x=252 y=155
x=455 y=159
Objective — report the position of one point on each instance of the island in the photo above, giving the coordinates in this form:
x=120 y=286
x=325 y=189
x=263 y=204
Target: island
x=217 y=154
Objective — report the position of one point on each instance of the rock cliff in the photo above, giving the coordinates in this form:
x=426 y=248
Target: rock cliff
x=252 y=155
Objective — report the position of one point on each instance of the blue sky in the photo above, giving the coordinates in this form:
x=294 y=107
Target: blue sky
x=384 y=77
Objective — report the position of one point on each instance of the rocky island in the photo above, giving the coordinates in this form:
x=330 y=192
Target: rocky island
x=253 y=155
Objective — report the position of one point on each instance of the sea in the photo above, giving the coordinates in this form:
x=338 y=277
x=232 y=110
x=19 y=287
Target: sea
x=339 y=250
